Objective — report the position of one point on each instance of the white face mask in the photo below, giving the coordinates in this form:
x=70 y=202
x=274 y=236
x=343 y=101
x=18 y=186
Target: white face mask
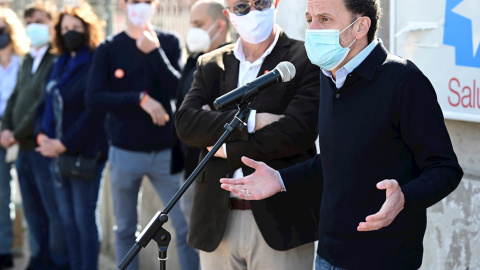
x=254 y=27
x=198 y=40
x=139 y=14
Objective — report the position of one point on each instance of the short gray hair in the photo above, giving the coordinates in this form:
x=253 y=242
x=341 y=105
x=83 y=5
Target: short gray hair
x=215 y=8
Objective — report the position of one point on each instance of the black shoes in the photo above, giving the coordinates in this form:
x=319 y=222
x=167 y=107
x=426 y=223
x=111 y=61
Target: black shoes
x=6 y=261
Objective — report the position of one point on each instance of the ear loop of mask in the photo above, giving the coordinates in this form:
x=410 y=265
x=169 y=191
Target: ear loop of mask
x=347 y=28
x=210 y=29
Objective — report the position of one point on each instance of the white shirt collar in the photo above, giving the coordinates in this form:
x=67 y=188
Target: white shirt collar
x=342 y=73
x=37 y=55
x=38 y=52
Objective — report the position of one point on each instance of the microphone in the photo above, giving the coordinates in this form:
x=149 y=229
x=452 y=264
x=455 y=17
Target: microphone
x=285 y=71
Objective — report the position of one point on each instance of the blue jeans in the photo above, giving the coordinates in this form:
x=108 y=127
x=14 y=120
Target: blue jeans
x=321 y=264
x=126 y=171
x=6 y=224
x=78 y=201
x=186 y=201
x=47 y=242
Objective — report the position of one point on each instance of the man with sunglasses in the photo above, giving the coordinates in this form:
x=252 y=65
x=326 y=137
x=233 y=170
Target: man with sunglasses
x=385 y=153
x=276 y=233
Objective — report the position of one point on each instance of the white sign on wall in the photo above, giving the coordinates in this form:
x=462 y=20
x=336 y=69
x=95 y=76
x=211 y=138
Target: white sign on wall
x=442 y=38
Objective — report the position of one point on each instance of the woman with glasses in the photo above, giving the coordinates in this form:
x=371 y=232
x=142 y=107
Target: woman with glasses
x=13 y=45
x=69 y=131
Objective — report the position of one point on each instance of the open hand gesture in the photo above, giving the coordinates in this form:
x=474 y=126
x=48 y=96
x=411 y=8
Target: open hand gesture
x=263 y=183
x=390 y=209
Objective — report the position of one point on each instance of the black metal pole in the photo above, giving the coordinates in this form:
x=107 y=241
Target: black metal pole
x=160 y=218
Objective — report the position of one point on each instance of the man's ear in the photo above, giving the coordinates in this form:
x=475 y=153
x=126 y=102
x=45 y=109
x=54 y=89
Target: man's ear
x=222 y=25
x=362 y=27
x=124 y=4
x=225 y=12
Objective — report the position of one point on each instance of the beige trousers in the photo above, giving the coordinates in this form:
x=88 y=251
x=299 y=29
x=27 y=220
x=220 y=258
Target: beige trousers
x=243 y=247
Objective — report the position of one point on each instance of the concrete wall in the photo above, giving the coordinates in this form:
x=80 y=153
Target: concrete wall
x=452 y=240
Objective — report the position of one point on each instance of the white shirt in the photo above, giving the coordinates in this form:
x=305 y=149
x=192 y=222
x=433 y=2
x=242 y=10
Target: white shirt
x=37 y=55
x=248 y=72
x=8 y=80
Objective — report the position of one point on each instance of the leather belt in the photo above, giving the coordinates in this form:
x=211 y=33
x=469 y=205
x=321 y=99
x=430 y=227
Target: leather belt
x=238 y=204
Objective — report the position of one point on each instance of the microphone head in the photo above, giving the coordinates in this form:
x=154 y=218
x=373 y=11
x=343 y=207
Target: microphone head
x=286 y=70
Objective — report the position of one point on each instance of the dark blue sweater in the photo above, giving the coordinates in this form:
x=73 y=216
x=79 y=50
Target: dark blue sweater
x=83 y=130
x=119 y=73
x=384 y=123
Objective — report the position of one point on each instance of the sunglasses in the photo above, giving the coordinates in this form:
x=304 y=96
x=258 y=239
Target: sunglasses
x=244 y=8
x=3 y=30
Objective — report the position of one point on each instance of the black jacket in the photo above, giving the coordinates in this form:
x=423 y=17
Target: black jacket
x=183 y=156
x=286 y=220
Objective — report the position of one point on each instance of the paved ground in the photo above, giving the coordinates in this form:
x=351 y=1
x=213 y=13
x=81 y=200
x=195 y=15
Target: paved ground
x=21 y=261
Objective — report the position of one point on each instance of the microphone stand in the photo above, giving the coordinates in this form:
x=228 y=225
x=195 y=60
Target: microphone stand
x=154 y=229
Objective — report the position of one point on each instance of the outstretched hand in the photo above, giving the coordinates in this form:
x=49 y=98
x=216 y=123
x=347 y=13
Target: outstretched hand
x=390 y=209
x=263 y=183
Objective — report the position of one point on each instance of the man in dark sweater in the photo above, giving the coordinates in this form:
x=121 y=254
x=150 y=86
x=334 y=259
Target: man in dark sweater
x=382 y=134
x=47 y=244
x=134 y=76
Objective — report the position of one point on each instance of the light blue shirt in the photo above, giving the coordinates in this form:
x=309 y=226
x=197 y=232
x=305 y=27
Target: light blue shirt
x=8 y=80
x=351 y=65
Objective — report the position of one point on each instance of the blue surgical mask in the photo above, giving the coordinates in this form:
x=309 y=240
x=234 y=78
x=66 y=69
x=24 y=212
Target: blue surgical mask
x=324 y=49
x=39 y=34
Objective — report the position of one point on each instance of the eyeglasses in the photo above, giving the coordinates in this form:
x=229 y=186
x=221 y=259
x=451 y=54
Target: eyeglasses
x=244 y=8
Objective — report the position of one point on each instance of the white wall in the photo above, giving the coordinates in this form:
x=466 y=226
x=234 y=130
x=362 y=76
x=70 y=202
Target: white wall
x=291 y=17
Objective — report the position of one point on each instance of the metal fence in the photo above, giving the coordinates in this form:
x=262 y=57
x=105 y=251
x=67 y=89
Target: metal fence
x=172 y=15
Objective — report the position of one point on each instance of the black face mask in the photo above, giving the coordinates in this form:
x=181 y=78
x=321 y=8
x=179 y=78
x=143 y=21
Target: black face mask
x=4 y=40
x=74 y=41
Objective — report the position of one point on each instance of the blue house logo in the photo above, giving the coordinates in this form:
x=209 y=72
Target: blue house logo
x=462 y=31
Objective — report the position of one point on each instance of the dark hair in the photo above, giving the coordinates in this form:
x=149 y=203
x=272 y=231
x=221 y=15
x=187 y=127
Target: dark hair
x=368 y=8
x=48 y=7
x=94 y=33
